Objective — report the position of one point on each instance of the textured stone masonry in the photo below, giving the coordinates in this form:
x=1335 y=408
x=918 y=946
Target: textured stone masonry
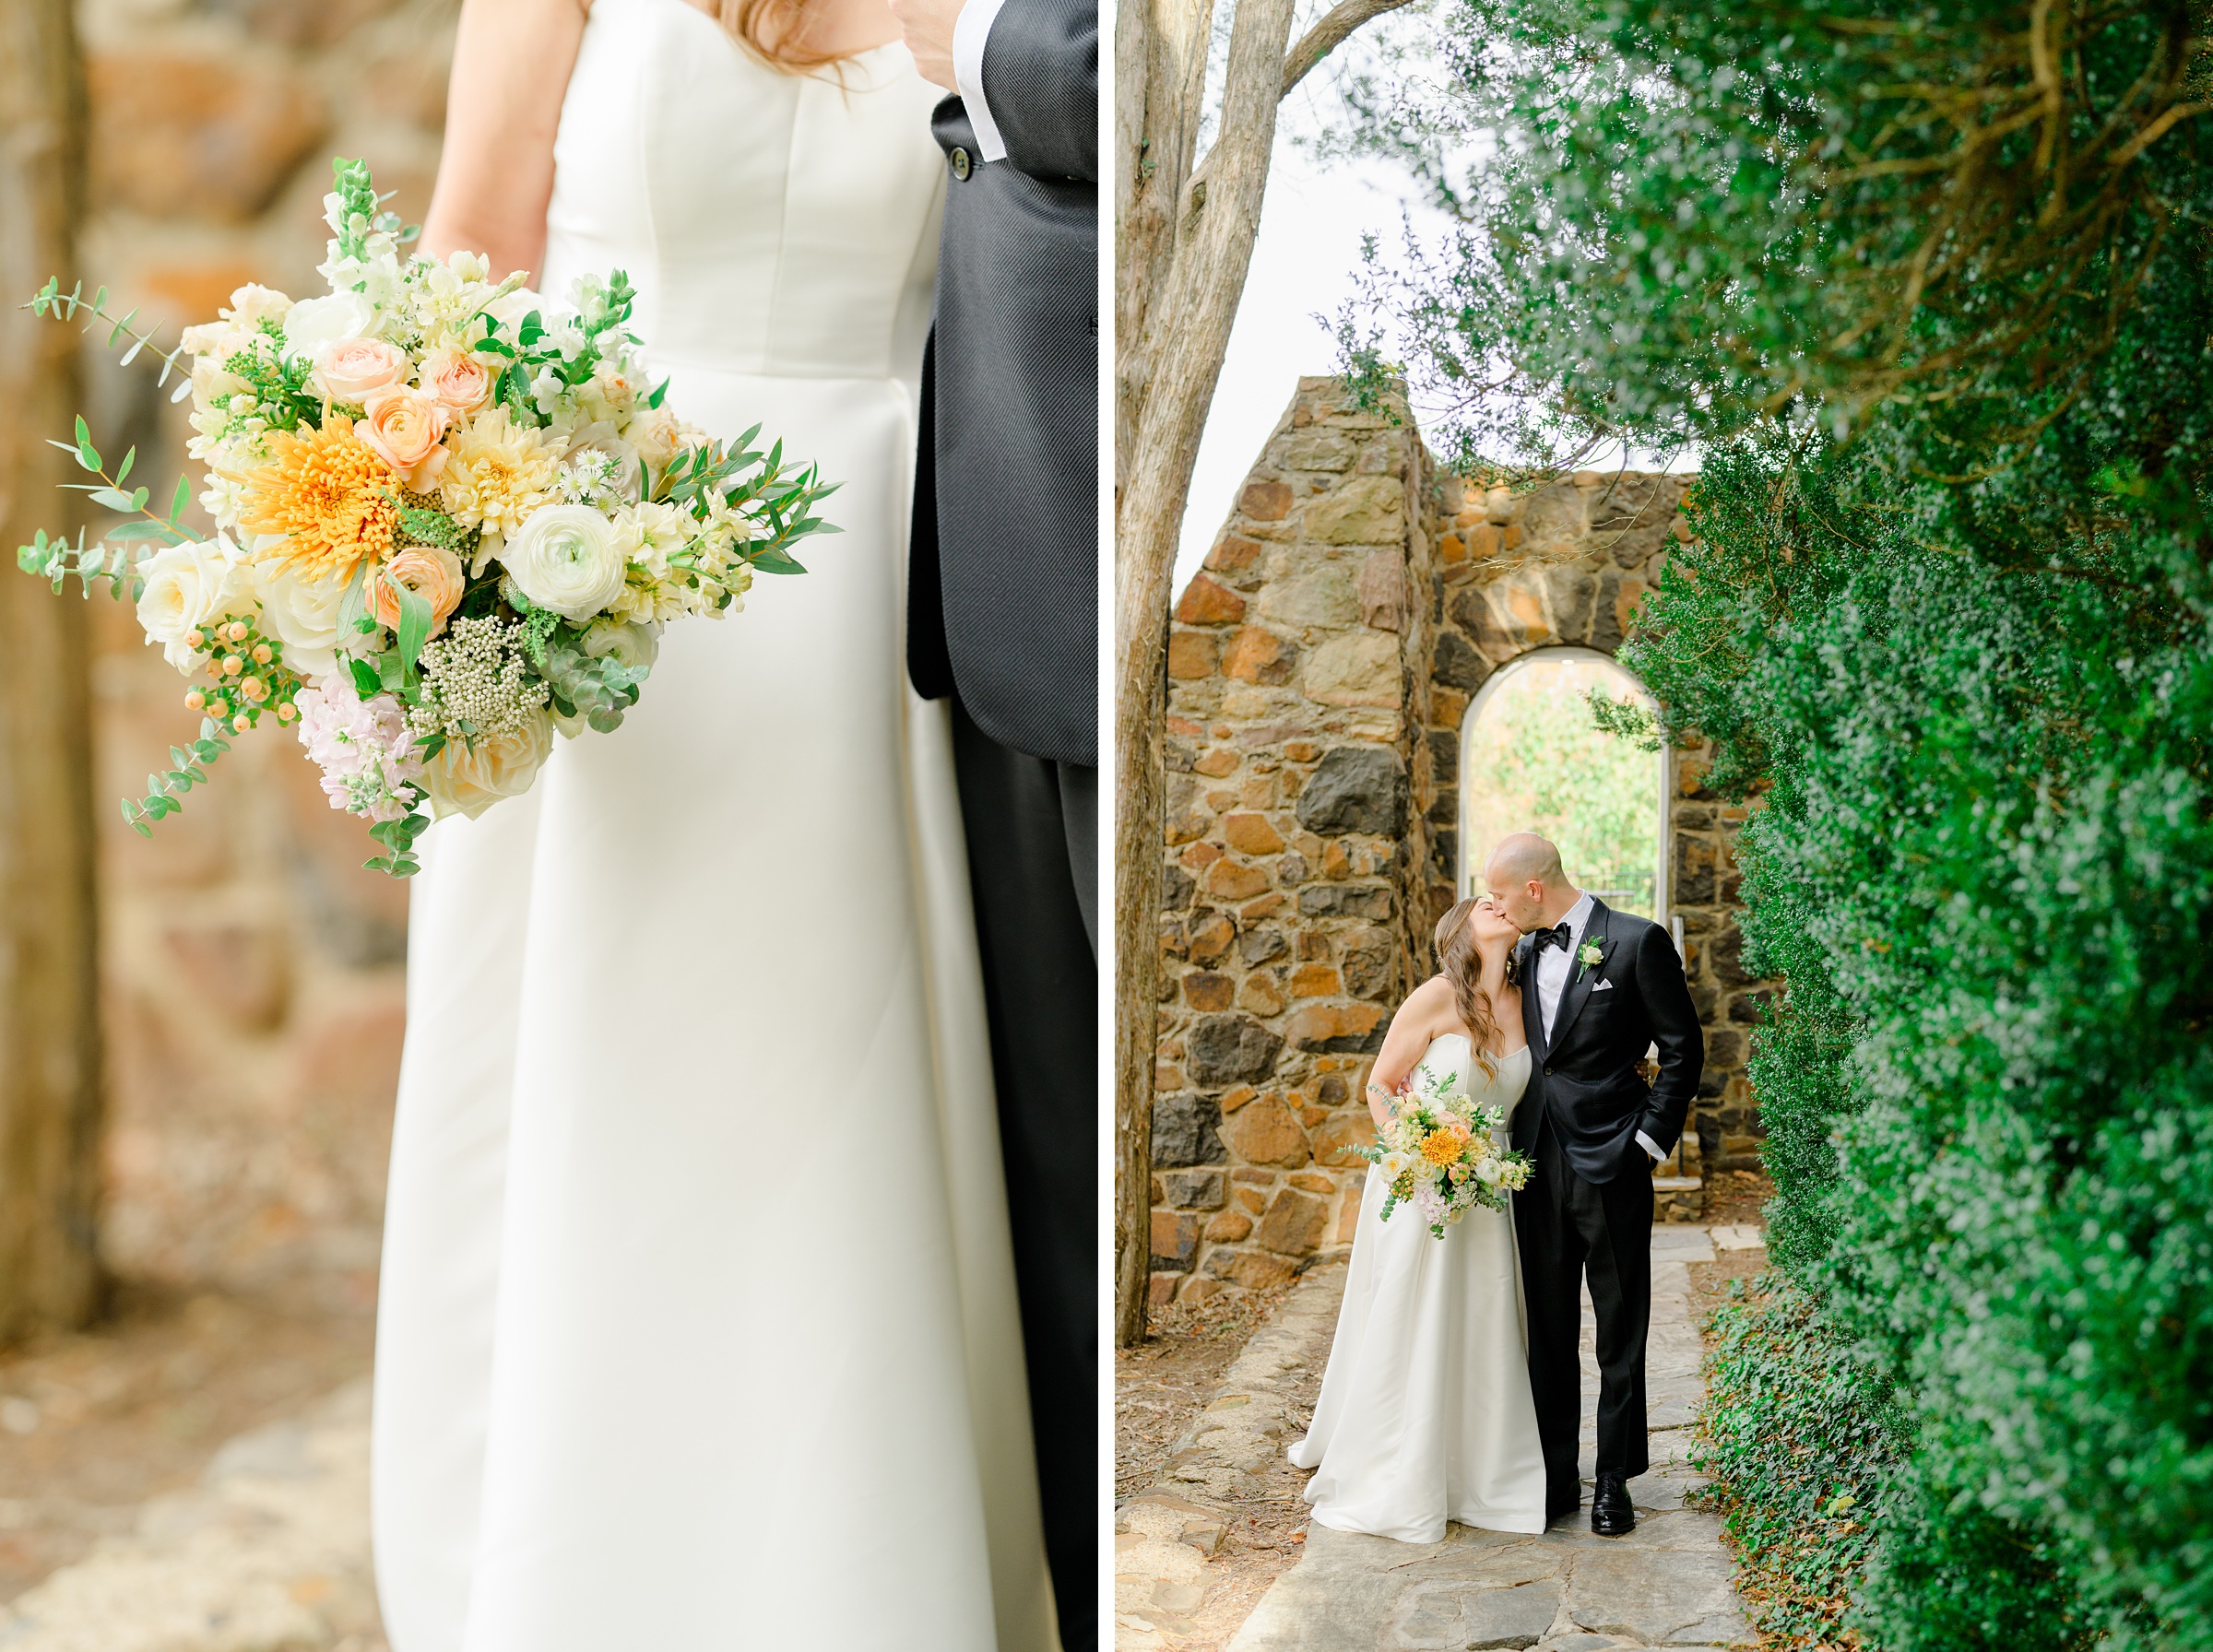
x=1321 y=663
x=252 y=976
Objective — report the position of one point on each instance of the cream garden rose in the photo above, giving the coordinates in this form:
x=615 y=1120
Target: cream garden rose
x=469 y=777
x=188 y=586
x=356 y=369
x=461 y=383
x=304 y=615
x=566 y=558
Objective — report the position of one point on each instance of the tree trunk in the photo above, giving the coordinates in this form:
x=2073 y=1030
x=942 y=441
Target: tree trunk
x=1184 y=245
x=50 y=1085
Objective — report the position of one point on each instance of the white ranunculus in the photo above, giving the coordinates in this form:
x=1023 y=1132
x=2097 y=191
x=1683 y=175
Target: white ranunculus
x=630 y=644
x=566 y=558
x=304 y=615
x=466 y=779
x=188 y=586
x=313 y=325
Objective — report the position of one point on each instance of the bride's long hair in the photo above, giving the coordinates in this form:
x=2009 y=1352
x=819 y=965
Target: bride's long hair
x=770 y=30
x=1459 y=962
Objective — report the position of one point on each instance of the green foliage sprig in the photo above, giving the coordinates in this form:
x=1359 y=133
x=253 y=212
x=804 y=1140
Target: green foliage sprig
x=164 y=792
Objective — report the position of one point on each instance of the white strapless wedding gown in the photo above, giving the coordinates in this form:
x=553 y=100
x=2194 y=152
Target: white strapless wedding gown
x=1424 y=1414
x=697 y=1329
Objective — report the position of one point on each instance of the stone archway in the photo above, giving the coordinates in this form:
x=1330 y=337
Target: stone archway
x=1321 y=665
x=1645 y=893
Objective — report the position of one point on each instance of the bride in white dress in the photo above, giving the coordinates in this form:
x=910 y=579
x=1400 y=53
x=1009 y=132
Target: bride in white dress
x=697 y=1326
x=1424 y=1414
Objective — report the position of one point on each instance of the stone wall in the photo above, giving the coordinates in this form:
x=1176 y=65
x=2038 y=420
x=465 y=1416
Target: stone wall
x=1320 y=665
x=1567 y=564
x=253 y=971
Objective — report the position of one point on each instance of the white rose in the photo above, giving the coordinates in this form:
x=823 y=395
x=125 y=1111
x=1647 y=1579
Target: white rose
x=509 y=308
x=565 y=558
x=313 y=325
x=463 y=780
x=188 y=586
x=304 y=615
x=657 y=434
x=1488 y=1171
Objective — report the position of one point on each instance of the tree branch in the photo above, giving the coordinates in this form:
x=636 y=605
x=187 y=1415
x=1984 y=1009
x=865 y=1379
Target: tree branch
x=1329 y=34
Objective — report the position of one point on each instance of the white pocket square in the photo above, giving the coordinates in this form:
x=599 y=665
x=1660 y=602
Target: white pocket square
x=1604 y=986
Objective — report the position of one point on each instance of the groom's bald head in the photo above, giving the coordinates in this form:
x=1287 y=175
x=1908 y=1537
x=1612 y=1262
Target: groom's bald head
x=1526 y=878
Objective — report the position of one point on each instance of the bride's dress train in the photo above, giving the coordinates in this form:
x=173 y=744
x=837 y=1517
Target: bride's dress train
x=1424 y=1414
x=697 y=1327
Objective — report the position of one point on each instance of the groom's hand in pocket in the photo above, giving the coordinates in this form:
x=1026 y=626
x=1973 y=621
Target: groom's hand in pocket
x=926 y=27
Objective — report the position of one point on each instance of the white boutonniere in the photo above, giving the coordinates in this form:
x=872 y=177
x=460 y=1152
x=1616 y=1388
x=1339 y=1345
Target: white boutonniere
x=1589 y=955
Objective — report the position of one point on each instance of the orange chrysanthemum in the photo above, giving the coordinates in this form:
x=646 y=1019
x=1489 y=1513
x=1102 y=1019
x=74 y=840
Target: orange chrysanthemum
x=1441 y=1148
x=330 y=494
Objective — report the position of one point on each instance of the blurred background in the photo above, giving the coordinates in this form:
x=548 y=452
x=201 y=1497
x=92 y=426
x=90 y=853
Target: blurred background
x=200 y=1032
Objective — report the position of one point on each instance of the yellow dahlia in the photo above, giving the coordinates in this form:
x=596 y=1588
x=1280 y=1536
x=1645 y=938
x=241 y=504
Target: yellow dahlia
x=497 y=473
x=330 y=496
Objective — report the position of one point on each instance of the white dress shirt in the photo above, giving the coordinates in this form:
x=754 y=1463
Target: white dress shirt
x=971 y=30
x=1555 y=965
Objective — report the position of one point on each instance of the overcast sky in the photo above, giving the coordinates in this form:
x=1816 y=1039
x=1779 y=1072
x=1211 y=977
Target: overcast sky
x=1304 y=262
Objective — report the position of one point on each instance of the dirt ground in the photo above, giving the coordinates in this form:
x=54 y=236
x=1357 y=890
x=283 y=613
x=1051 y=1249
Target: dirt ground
x=93 y=1423
x=1159 y=1388
x=1733 y=1198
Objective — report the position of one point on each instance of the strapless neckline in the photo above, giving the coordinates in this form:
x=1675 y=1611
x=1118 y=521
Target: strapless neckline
x=1464 y=1038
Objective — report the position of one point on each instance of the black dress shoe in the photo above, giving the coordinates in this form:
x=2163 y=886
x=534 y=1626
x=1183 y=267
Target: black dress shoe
x=1611 y=1515
x=1556 y=1511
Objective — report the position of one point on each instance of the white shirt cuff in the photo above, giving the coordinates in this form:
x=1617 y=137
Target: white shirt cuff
x=1645 y=1142
x=970 y=30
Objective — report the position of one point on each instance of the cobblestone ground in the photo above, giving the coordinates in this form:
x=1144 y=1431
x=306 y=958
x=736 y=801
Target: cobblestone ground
x=269 y=1553
x=1666 y=1586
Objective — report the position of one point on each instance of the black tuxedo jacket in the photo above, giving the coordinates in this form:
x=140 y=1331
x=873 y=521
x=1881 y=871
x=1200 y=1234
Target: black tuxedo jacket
x=1002 y=593
x=1584 y=1078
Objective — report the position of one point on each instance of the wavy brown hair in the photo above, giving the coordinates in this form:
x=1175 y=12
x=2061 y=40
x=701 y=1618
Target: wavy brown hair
x=1460 y=964
x=770 y=30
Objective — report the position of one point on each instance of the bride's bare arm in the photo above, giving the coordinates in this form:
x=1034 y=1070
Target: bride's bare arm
x=1415 y=1024
x=512 y=62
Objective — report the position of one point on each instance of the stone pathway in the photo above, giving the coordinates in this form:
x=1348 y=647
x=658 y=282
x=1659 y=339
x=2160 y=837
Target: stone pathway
x=268 y=1553
x=1667 y=1584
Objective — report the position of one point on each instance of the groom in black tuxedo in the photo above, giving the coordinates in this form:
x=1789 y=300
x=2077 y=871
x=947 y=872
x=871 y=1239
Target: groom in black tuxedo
x=1599 y=989
x=1003 y=618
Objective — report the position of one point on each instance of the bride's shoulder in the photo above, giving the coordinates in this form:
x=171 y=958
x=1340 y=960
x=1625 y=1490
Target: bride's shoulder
x=1429 y=998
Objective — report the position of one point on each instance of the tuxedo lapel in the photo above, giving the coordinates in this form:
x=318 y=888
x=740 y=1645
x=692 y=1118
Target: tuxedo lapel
x=1532 y=1008
x=1580 y=980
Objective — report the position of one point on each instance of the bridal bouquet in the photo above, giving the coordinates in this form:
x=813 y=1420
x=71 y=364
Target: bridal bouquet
x=451 y=522
x=1439 y=1153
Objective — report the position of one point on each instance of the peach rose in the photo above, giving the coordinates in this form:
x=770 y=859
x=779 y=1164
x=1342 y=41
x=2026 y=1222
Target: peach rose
x=460 y=382
x=404 y=427
x=432 y=572
x=353 y=369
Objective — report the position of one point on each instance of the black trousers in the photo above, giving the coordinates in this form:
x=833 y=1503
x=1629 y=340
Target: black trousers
x=1032 y=869
x=1567 y=1227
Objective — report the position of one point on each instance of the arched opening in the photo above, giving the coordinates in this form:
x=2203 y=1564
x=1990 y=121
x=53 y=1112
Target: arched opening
x=1531 y=758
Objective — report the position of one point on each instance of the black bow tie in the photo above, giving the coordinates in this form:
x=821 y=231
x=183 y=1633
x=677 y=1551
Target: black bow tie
x=1556 y=936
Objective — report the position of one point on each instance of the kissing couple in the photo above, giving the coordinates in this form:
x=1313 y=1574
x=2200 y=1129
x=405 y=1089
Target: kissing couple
x=1454 y=1387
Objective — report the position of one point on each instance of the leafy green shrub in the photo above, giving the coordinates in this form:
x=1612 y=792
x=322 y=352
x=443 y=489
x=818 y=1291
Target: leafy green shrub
x=1934 y=285
x=1802 y=1441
